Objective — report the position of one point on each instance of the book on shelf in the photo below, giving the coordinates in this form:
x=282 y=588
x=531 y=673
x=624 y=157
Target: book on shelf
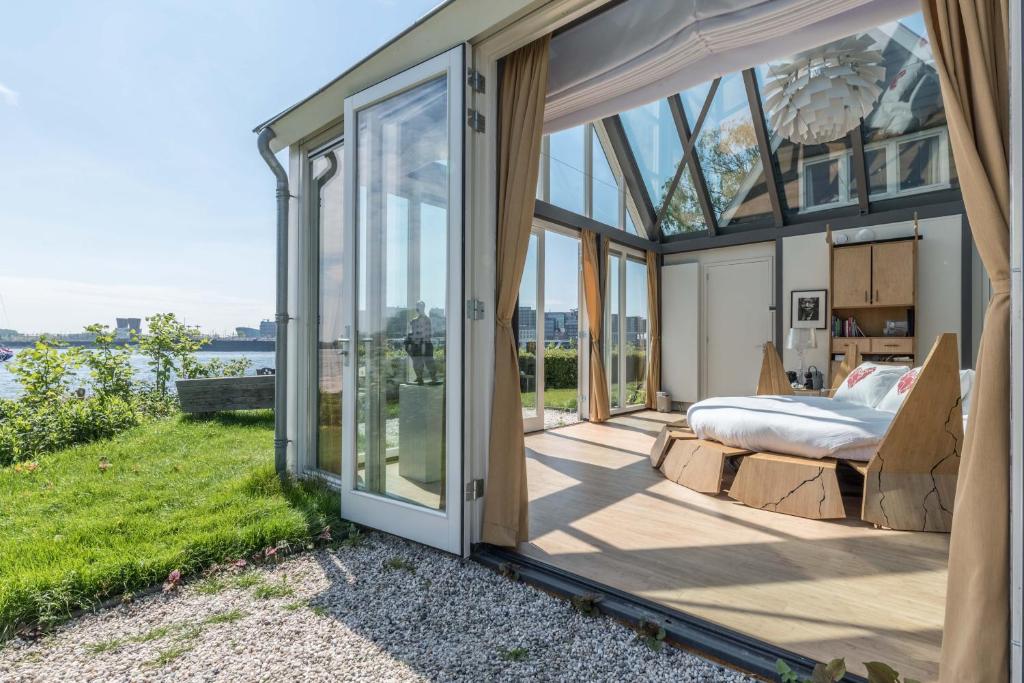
x=846 y=327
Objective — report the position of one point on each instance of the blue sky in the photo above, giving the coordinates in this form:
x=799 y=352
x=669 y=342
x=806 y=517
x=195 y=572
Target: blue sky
x=131 y=182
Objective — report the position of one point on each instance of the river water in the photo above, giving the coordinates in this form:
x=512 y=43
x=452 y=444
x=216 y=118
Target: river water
x=9 y=387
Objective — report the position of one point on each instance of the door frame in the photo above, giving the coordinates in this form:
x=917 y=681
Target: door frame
x=624 y=253
x=705 y=292
x=439 y=528
x=540 y=227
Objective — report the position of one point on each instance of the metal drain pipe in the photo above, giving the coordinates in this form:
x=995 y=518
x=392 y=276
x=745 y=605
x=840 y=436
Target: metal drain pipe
x=281 y=317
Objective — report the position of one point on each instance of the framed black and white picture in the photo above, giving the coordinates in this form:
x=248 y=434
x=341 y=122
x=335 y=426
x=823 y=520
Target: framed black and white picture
x=809 y=309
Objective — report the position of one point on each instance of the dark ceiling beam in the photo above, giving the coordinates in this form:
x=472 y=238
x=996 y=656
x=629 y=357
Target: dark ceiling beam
x=631 y=174
x=687 y=139
x=700 y=186
x=860 y=169
x=767 y=158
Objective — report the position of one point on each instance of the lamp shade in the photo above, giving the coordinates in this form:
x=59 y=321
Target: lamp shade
x=822 y=94
x=801 y=339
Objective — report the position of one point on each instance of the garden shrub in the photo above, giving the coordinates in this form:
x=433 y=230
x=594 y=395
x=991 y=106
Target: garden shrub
x=48 y=416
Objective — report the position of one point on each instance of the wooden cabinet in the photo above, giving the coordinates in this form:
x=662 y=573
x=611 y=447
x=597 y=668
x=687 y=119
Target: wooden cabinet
x=851 y=283
x=892 y=345
x=892 y=273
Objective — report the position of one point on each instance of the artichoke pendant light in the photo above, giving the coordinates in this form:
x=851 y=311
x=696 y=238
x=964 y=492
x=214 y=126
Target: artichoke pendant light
x=821 y=95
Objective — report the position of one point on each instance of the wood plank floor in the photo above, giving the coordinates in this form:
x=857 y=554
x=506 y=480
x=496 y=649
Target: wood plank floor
x=823 y=589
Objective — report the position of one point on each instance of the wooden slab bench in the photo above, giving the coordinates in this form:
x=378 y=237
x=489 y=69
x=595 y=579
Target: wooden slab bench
x=698 y=464
x=670 y=432
x=214 y=394
x=792 y=485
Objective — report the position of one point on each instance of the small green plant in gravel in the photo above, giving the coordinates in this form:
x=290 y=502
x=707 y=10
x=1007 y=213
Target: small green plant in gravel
x=228 y=617
x=509 y=571
x=247 y=580
x=212 y=585
x=165 y=657
x=588 y=604
x=353 y=536
x=516 y=654
x=295 y=606
x=400 y=563
x=318 y=610
x=269 y=591
x=878 y=672
x=651 y=634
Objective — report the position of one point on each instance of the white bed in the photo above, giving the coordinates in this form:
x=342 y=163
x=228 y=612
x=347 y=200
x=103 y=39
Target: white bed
x=811 y=426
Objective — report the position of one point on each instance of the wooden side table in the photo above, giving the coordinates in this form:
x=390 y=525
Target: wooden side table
x=810 y=392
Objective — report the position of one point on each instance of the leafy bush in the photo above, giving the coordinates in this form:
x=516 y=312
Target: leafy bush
x=48 y=416
x=170 y=345
x=561 y=367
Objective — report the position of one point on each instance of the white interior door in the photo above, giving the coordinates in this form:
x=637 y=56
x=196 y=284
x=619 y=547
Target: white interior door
x=738 y=297
x=402 y=402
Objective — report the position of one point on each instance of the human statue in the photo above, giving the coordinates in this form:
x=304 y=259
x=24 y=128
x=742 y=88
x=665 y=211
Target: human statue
x=419 y=346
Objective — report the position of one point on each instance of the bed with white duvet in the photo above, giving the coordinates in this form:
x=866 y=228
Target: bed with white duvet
x=849 y=426
x=811 y=426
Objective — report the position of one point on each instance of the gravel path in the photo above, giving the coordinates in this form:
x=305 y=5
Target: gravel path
x=385 y=609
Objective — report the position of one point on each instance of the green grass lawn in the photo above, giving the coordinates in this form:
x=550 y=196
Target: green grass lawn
x=116 y=516
x=559 y=399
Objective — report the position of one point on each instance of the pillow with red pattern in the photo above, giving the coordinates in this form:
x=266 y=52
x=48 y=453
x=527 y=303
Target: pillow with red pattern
x=869 y=383
x=892 y=401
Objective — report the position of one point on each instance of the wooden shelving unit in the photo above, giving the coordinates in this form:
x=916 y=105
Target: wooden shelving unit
x=873 y=282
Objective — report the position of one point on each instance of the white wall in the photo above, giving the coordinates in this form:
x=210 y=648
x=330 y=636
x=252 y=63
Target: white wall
x=805 y=266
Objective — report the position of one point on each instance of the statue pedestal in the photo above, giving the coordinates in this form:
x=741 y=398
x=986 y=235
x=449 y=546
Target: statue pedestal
x=421 y=432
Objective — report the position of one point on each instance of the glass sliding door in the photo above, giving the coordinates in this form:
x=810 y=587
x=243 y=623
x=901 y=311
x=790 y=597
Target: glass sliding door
x=626 y=336
x=401 y=456
x=327 y=179
x=548 y=330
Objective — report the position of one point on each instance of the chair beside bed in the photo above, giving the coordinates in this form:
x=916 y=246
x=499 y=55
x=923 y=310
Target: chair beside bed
x=908 y=484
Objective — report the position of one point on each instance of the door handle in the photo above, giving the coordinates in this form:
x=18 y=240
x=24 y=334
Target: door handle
x=343 y=344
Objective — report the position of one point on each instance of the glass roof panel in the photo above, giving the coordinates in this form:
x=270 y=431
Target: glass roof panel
x=652 y=135
x=605 y=195
x=568 y=179
x=728 y=153
x=684 y=214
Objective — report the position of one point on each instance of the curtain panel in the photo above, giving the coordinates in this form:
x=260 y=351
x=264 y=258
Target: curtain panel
x=653 y=375
x=970 y=41
x=593 y=291
x=521 y=118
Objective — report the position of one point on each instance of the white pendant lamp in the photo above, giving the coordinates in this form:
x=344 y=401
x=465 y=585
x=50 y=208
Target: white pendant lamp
x=821 y=95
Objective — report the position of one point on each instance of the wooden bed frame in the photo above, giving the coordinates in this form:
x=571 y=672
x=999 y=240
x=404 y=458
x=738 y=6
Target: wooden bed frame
x=909 y=483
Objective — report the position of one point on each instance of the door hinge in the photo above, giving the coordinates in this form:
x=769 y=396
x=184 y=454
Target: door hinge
x=474 y=490
x=475 y=80
x=475 y=120
x=474 y=309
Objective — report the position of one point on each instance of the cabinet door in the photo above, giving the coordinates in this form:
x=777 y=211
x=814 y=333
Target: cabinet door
x=851 y=276
x=892 y=273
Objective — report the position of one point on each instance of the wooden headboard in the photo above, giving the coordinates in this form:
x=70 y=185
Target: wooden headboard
x=773 y=380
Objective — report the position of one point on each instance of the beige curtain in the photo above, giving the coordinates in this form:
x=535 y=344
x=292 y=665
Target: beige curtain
x=653 y=375
x=970 y=41
x=521 y=118
x=593 y=291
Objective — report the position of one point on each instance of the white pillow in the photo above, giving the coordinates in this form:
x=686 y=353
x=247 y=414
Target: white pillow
x=869 y=383
x=892 y=401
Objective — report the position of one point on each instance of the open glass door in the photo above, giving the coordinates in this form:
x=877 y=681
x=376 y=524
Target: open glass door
x=402 y=402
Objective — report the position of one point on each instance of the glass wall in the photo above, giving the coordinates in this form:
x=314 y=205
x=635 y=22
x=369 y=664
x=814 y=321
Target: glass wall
x=561 y=328
x=579 y=174
x=528 y=333
x=401 y=285
x=635 y=332
x=327 y=176
x=626 y=336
